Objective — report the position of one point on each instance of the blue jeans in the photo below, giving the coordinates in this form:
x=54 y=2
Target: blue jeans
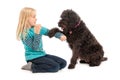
x=48 y=63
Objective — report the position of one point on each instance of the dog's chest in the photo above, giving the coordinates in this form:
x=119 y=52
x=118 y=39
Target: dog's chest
x=71 y=38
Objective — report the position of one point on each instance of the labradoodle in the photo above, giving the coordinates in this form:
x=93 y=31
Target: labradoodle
x=82 y=42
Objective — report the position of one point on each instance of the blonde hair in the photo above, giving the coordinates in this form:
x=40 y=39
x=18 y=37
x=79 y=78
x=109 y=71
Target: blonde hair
x=23 y=24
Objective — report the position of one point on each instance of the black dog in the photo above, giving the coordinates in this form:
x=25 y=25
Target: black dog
x=82 y=42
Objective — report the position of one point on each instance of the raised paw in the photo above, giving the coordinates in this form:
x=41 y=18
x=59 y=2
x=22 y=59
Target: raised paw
x=53 y=31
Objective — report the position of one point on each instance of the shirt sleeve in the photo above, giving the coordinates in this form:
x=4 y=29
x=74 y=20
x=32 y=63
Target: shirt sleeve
x=44 y=31
x=32 y=42
x=58 y=35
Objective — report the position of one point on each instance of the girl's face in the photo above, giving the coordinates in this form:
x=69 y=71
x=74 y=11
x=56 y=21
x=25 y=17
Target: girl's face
x=32 y=19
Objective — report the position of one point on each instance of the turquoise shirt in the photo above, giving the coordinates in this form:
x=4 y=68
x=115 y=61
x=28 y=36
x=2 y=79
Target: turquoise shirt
x=33 y=43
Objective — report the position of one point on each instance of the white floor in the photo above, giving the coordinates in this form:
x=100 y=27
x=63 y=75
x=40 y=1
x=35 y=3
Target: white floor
x=12 y=62
x=101 y=17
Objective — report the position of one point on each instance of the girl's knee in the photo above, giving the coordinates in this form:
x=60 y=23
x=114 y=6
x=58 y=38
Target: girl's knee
x=63 y=64
x=55 y=68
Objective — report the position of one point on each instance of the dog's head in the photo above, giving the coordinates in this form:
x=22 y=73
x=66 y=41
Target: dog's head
x=69 y=20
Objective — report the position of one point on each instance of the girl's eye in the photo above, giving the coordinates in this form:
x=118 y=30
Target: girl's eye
x=33 y=16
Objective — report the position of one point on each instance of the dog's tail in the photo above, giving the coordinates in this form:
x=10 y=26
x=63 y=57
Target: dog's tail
x=104 y=59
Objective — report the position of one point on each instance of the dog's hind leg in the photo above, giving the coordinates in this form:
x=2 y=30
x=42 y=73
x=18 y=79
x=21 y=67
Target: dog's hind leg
x=95 y=61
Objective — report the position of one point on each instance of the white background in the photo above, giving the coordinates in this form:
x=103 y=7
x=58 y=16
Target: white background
x=102 y=18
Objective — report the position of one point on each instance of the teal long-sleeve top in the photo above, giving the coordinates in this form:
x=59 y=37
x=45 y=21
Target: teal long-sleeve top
x=33 y=43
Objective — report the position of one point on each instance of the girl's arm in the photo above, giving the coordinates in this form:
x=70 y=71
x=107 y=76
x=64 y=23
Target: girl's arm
x=59 y=35
x=32 y=41
x=33 y=38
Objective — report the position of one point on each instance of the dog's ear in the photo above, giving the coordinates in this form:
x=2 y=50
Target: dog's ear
x=53 y=31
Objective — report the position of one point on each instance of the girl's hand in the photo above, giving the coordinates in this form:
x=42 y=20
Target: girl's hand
x=37 y=28
x=63 y=38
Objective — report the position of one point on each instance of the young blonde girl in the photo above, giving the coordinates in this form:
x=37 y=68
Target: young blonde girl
x=31 y=34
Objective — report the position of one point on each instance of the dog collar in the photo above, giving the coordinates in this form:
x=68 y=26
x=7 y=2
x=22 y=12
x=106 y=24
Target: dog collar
x=77 y=24
x=70 y=32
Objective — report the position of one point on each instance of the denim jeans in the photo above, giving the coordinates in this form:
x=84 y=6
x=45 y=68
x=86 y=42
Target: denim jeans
x=48 y=63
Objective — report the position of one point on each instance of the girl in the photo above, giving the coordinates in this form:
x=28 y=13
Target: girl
x=30 y=34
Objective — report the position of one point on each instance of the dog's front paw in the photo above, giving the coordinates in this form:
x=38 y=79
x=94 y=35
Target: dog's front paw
x=71 y=66
x=53 y=31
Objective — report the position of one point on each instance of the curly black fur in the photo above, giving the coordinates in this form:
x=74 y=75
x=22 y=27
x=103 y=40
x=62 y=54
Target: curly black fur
x=82 y=42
